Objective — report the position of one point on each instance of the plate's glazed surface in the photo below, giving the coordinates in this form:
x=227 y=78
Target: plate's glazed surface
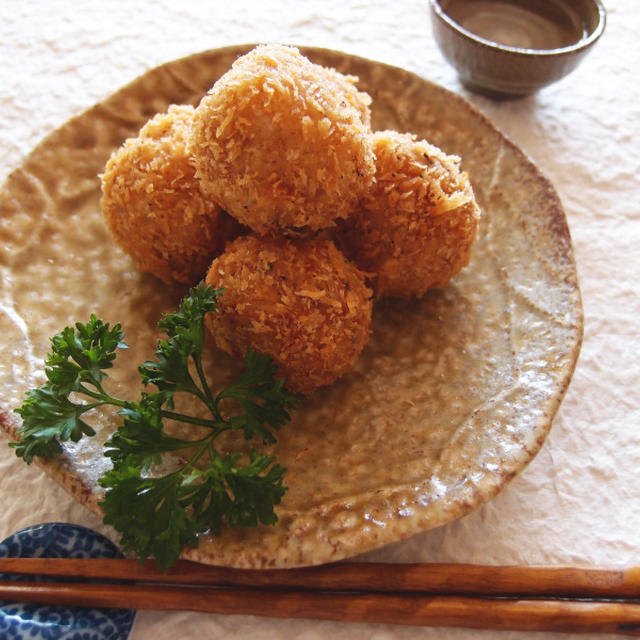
x=453 y=395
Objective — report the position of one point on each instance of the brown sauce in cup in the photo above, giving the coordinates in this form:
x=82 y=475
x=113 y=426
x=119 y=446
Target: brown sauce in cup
x=538 y=25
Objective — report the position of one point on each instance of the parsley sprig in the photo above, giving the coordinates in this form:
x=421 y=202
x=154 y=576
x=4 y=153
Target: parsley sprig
x=159 y=514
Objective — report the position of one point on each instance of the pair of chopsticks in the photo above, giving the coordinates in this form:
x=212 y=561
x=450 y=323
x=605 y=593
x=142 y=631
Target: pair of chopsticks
x=568 y=599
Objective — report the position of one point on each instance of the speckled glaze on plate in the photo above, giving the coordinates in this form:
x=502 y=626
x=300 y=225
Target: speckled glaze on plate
x=453 y=395
x=43 y=622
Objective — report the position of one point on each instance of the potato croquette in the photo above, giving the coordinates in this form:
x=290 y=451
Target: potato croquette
x=281 y=143
x=298 y=300
x=415 y=227
x=154 y=205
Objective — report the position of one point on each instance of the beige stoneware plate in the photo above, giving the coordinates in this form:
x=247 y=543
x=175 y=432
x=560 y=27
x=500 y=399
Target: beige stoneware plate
x=451 y=398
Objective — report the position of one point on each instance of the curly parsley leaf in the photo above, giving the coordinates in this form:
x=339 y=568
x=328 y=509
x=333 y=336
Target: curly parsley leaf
x=185 y=332
x=262 y=396
x=159 y=516
x=148 y=513
x=141 y=439
x=76 y=363
x=48 y=419
x=80 y=355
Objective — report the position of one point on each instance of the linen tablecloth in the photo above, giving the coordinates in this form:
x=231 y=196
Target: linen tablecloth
x=578 y=502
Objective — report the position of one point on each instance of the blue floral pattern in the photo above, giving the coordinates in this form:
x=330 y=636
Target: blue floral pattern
x=42 y=622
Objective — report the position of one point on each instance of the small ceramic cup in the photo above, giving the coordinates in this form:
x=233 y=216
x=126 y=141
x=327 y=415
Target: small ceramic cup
x=511 y=48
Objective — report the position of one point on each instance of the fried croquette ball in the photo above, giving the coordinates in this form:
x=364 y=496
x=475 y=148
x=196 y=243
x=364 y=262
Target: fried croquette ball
x=155 y=207
x=281 y=143
x=298 y=300
x=415 y=228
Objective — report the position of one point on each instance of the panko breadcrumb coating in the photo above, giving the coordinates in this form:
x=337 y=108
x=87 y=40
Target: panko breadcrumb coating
x=280 y=142
x=359 y=99
x=415 y=228
x=155 y=207
x=298 y=300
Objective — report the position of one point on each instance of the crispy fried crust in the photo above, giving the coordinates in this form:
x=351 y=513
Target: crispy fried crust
x=281 y=142
x=154 y=206
x=300 y=301
x=348 y=85
x=415 y=227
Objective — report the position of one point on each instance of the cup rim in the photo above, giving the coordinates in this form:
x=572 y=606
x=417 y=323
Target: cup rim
x=583 y=43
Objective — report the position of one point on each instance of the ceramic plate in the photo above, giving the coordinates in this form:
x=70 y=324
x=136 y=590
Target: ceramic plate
x=43 y=622
x=453 y=395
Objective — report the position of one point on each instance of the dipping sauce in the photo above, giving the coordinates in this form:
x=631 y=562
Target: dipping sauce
x=538 y=25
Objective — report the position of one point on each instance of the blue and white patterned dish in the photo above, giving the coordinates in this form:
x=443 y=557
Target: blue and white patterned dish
x=41 y=622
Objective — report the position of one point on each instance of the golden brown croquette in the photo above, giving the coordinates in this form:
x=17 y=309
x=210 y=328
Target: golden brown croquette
x=280 y=142
x=298 y=300
x=415 y=227
x=154 y=205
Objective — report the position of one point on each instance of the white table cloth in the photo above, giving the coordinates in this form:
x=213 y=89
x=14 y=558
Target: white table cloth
x=578 y=502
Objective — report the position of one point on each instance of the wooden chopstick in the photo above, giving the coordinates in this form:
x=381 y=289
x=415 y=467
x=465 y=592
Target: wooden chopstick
x=488 y=597
x=450 y=579
x=407 y=609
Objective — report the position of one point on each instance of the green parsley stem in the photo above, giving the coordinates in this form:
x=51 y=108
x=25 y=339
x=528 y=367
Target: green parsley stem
x=204 y=444
x=202 y=396
x=209 y=400
x=203 y=422
x=203 y=380
x=102 y=396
